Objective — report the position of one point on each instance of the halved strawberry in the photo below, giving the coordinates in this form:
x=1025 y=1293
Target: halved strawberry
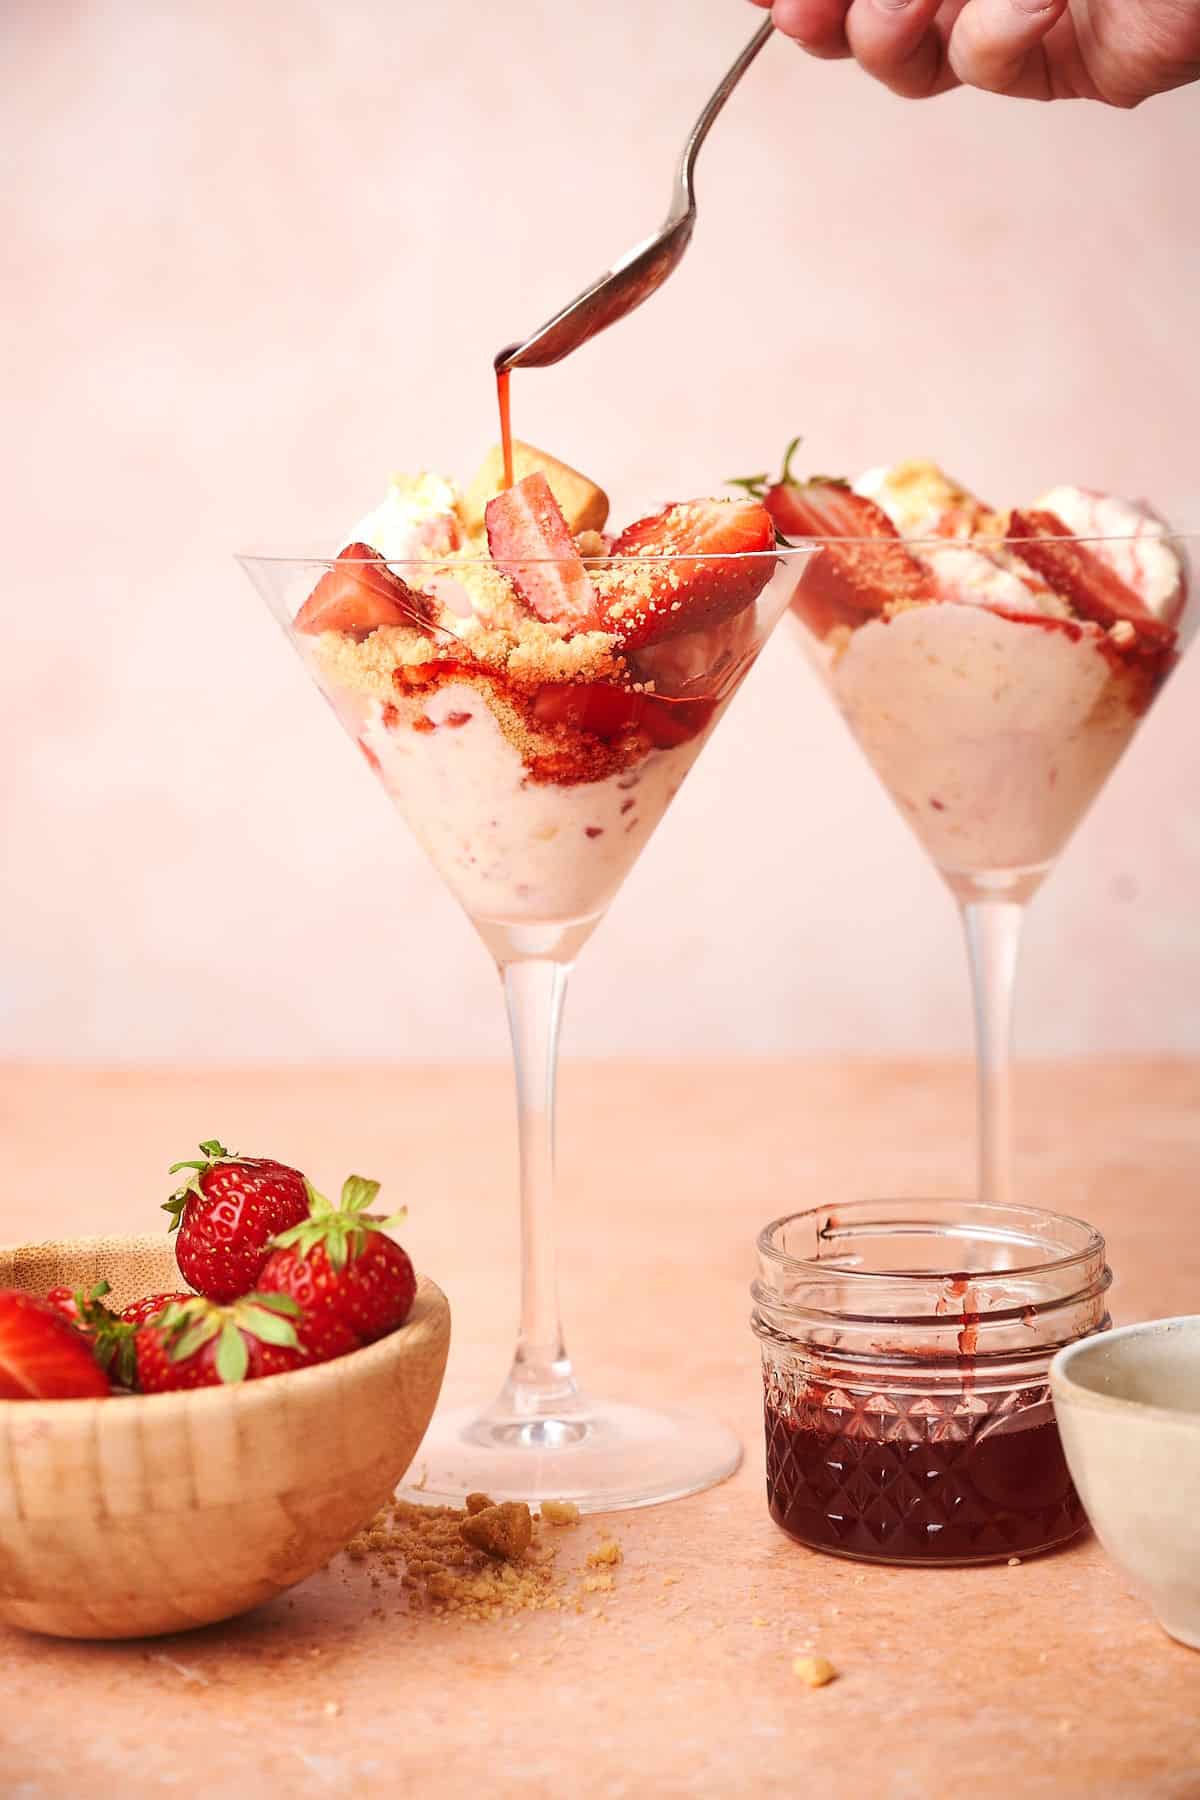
x=528 y=538
x=42 y=1355
x=725 y=562
x=359 y=593
x=846 y=583
x=1094 y=589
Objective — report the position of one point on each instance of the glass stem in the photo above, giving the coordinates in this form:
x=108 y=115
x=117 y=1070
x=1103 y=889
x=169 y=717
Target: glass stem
x=541 y=1382
x=993 y=929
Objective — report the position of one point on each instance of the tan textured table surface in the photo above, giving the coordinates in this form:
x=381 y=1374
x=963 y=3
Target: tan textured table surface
x=1045 y=1679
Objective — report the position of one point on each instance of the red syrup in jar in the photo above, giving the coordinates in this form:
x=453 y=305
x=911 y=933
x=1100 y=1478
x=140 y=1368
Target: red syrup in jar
x=919 y=1479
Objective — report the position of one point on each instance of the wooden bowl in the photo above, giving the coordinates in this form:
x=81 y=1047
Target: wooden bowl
x=129 y=1517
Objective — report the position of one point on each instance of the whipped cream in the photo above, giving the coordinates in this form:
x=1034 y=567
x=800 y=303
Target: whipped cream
x=415 y=519
x=1131 y=541
x=922 y=501
x=975 y=577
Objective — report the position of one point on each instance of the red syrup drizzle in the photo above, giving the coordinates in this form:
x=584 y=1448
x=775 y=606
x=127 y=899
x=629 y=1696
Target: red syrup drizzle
x=502 y=400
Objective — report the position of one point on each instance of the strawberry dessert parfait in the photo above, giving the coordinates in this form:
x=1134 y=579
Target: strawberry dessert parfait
x=531 y=690
x=994 y=667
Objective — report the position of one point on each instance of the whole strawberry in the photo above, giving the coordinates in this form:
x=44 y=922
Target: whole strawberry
x=197 y=1343
x=226 y=1214
x=353 y=1284
x=110 y=1335
x=140 y=1312
x=83 y=1310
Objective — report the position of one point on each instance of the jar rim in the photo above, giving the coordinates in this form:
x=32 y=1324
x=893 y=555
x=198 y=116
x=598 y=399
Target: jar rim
x=986 y=1215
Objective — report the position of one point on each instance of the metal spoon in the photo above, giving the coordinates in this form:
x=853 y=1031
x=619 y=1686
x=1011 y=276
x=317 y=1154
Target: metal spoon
x=647 y=265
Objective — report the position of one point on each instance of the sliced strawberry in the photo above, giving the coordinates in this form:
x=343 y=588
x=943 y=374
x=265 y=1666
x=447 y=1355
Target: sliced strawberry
x=594 y=706
x=708 y=663
x=845 y=584
x=674 y=722
x=1094 y=589
x=42 y=1355
x=359 y=593
x=724 y=547
x=529 y=540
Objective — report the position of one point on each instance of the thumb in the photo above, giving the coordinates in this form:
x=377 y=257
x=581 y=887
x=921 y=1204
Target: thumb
x=995 y=45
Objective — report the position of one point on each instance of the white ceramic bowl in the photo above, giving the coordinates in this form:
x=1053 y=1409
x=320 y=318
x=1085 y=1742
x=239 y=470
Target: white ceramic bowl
x=133 y=1516
x=1128 y=1408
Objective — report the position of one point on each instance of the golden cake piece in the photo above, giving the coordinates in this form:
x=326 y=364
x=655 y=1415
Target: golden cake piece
x=584 y=506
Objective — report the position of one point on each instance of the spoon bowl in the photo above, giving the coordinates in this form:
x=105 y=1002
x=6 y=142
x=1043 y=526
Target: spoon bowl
x=642 y=270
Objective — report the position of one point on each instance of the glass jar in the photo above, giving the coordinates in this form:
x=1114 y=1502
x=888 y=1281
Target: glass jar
x=905 y=1348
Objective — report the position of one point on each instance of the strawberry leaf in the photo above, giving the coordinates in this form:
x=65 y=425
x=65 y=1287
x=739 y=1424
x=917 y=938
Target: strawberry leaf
x=358 y=1193
x=268 y=1327
x=233 y=1359
x=755 y=485
x=196 y=1334
x=279 y=1303
x=318 y=1205
x=114 y=1350
x=336 y=1250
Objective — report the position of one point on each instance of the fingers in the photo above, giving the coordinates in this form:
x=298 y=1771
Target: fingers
x=818 y=25
x=895 y=41
x=997 y=45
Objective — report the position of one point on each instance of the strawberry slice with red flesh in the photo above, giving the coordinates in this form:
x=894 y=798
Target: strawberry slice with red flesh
x=846 y=583
x=361 y=593
x=608 y=712
x=42 y=1356
x=529 y=540
x=724 y=548
x=1094 y=590
x=598 y=707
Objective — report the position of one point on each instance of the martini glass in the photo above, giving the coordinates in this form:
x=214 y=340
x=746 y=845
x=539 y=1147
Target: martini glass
x=993 y=728
x=533 y=800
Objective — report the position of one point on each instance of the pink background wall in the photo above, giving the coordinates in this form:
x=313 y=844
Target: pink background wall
x=256 y=255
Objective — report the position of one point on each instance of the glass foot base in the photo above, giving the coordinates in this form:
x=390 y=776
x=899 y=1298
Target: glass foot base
x=606 y=1458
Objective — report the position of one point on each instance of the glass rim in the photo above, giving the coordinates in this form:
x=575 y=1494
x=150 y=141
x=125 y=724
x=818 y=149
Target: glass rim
x=795 y=549
x=1092 y=1245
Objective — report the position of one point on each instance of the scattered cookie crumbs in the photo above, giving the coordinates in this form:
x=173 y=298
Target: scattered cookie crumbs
x=444 y=1572
x=598 y=1584
x=758 y=1622
x=477 y=1503
x=1014 y=1562
x=606 y=1551
x=560 y=1512
x=505 y=1530
x=670 y=1580
x=332 y=1708
x=814 y=1671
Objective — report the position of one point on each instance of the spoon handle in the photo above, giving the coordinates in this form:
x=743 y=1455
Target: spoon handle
x=703 y=125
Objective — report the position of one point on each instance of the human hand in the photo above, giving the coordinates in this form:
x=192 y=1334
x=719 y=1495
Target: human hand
x=1118 y=51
